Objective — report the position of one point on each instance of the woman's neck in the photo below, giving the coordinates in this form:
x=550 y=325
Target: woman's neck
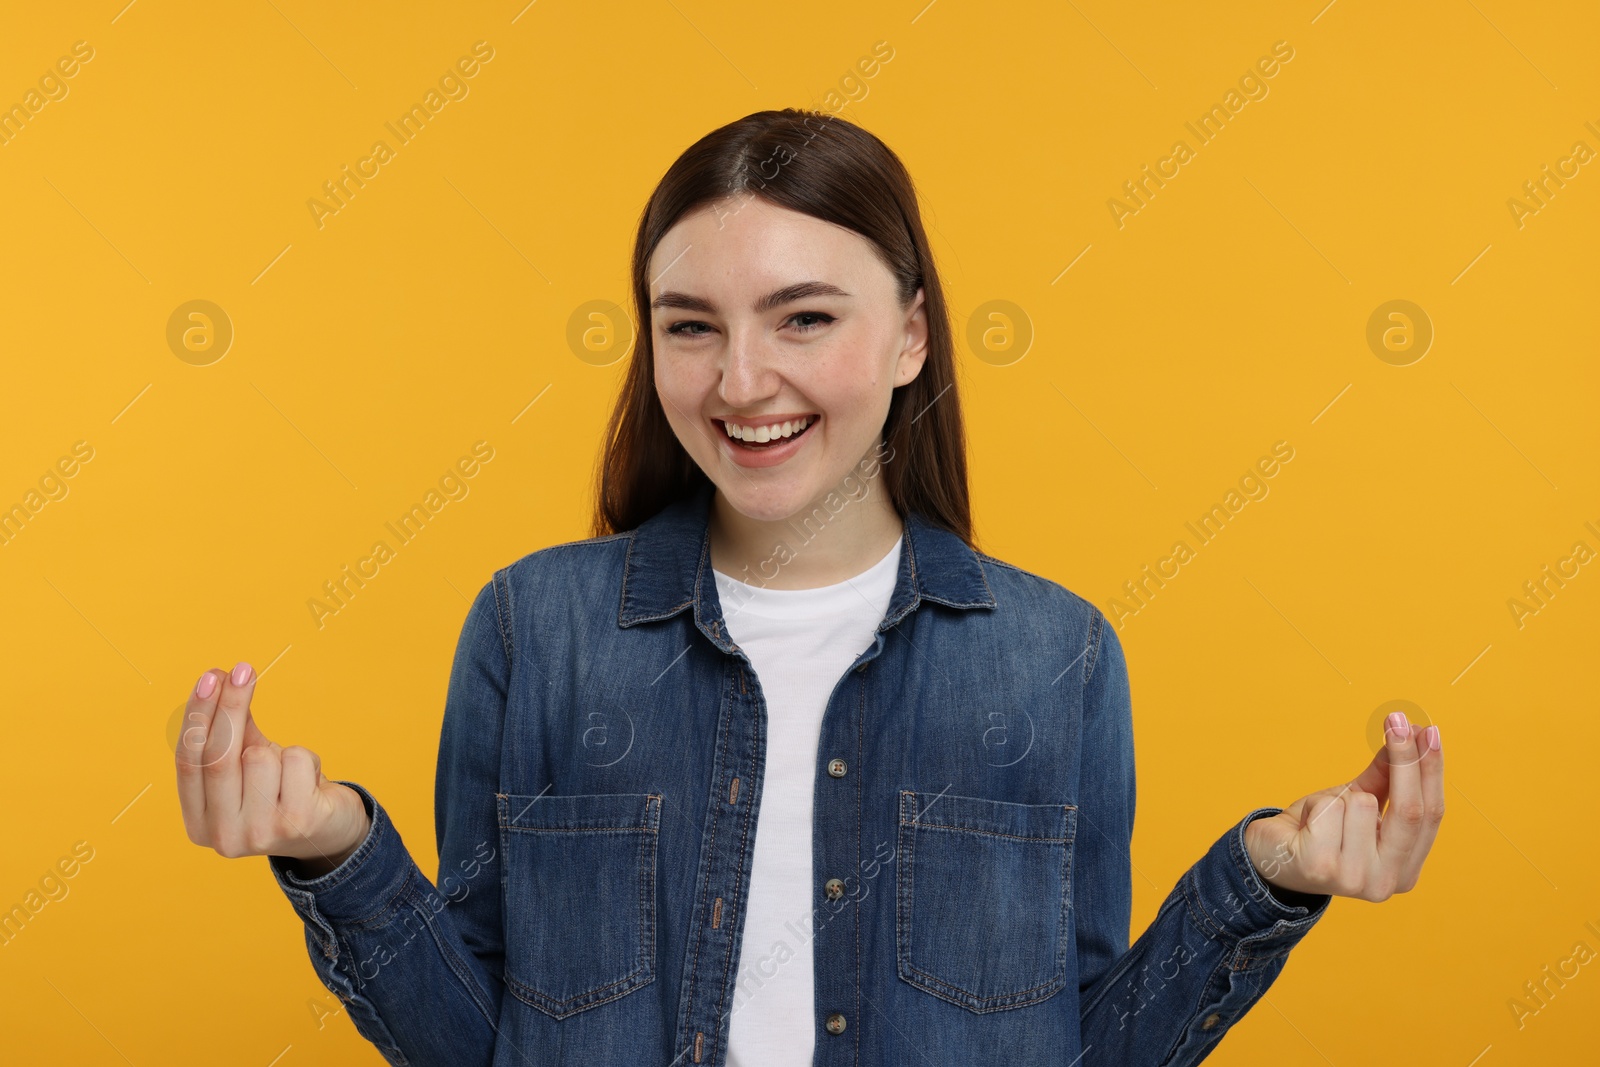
x=836 y=537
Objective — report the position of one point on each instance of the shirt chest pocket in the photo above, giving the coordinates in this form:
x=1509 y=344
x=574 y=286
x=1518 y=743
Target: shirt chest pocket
x=984 y=898
x=580 y=902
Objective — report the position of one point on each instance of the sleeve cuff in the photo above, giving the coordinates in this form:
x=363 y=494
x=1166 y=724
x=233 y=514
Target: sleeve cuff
x=1227 y=896
x=360 y=887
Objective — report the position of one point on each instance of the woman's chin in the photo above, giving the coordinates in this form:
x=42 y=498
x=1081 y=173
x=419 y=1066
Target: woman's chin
x=768 y=504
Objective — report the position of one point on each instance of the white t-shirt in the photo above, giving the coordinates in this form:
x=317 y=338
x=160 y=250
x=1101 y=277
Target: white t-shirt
x=800 y=642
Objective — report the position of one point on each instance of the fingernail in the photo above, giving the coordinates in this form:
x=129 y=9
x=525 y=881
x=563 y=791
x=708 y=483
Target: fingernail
x=1399 y=734
x=1433 y=737
x=205 y=685
x=1396 y=720
x=241 y=673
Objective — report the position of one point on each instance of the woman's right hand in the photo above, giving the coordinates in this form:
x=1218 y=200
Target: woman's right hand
x=244 y=795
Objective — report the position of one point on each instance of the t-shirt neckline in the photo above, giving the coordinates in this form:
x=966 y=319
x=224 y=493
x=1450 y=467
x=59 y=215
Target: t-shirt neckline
x=762 y=600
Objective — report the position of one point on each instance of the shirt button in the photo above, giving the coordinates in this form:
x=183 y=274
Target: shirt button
x=836 y=768
x=834 y=888
x=834 y=1024
x=1210 y=1021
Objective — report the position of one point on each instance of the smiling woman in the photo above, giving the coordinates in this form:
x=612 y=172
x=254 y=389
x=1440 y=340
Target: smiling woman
x=804 y=299
x=803 y=847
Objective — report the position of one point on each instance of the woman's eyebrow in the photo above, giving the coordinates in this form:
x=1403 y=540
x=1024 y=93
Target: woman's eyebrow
x=777 y=298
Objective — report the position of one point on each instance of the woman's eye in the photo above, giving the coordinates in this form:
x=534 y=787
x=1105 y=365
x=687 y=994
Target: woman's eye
x=804 y=322
x=822 y=315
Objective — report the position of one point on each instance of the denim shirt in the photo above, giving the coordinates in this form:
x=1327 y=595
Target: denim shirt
x=598 y=785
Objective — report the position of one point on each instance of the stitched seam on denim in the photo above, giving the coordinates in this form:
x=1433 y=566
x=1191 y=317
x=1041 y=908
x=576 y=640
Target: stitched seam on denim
x=1096 y=632
x=385 y=912
x=1066 y=894
x=541 y=998
x=580 y=829
x=502 y=616
x=327 y=941
x=505 y=883
x=705 y=886
x=922 y=594
x=627 y=569
x=550 y=1006
x=910 y=558
x=861 y=714
x=967 y=1006
x=700 y=572
x=907 y=846
x=647 y=887
x=1123 y=963
x=988 y=833
x=1208 y=925
x=669 y=613
x=996 y=833
x=983 y=575
x=642 y=822
x=356 y=982
x=716 y=825
x=968 y=996
x=475 y=992
x=368 y=1013
x=758 y=756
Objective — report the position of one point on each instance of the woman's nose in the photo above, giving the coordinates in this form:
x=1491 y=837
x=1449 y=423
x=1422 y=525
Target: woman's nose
x=747 y=371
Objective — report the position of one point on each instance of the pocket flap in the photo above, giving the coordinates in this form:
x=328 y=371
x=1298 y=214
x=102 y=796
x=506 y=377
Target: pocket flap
x=594 y=811
x=934 y=811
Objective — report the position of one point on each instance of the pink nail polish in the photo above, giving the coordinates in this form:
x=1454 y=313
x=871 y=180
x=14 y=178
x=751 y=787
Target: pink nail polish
x=241 y=673
x=1433 y=737
x=205 y=685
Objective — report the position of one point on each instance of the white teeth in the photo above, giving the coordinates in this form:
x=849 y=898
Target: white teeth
x=761 y=434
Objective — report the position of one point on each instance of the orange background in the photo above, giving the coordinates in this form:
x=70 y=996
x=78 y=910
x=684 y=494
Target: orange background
x=431 y=311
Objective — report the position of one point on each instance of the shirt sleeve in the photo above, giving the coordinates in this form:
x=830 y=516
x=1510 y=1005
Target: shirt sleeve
x=417 y=965
x=1218 y=941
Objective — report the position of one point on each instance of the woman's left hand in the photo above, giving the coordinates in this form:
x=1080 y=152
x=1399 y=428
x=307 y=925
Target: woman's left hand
x=1335 y=841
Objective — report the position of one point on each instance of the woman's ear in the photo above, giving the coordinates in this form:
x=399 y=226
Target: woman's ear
x=915 y=350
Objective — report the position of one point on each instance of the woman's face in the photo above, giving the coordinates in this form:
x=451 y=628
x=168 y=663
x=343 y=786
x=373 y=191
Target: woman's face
x=762 y=317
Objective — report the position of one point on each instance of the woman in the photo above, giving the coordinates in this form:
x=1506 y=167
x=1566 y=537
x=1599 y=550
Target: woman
x=782 y=613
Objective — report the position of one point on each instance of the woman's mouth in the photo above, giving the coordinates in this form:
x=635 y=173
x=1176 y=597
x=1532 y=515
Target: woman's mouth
x=762 y=445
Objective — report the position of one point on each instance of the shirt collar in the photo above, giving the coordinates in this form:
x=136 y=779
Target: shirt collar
x=668 y=568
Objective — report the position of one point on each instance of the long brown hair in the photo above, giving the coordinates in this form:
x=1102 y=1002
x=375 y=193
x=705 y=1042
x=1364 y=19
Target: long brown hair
x=826 y=167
